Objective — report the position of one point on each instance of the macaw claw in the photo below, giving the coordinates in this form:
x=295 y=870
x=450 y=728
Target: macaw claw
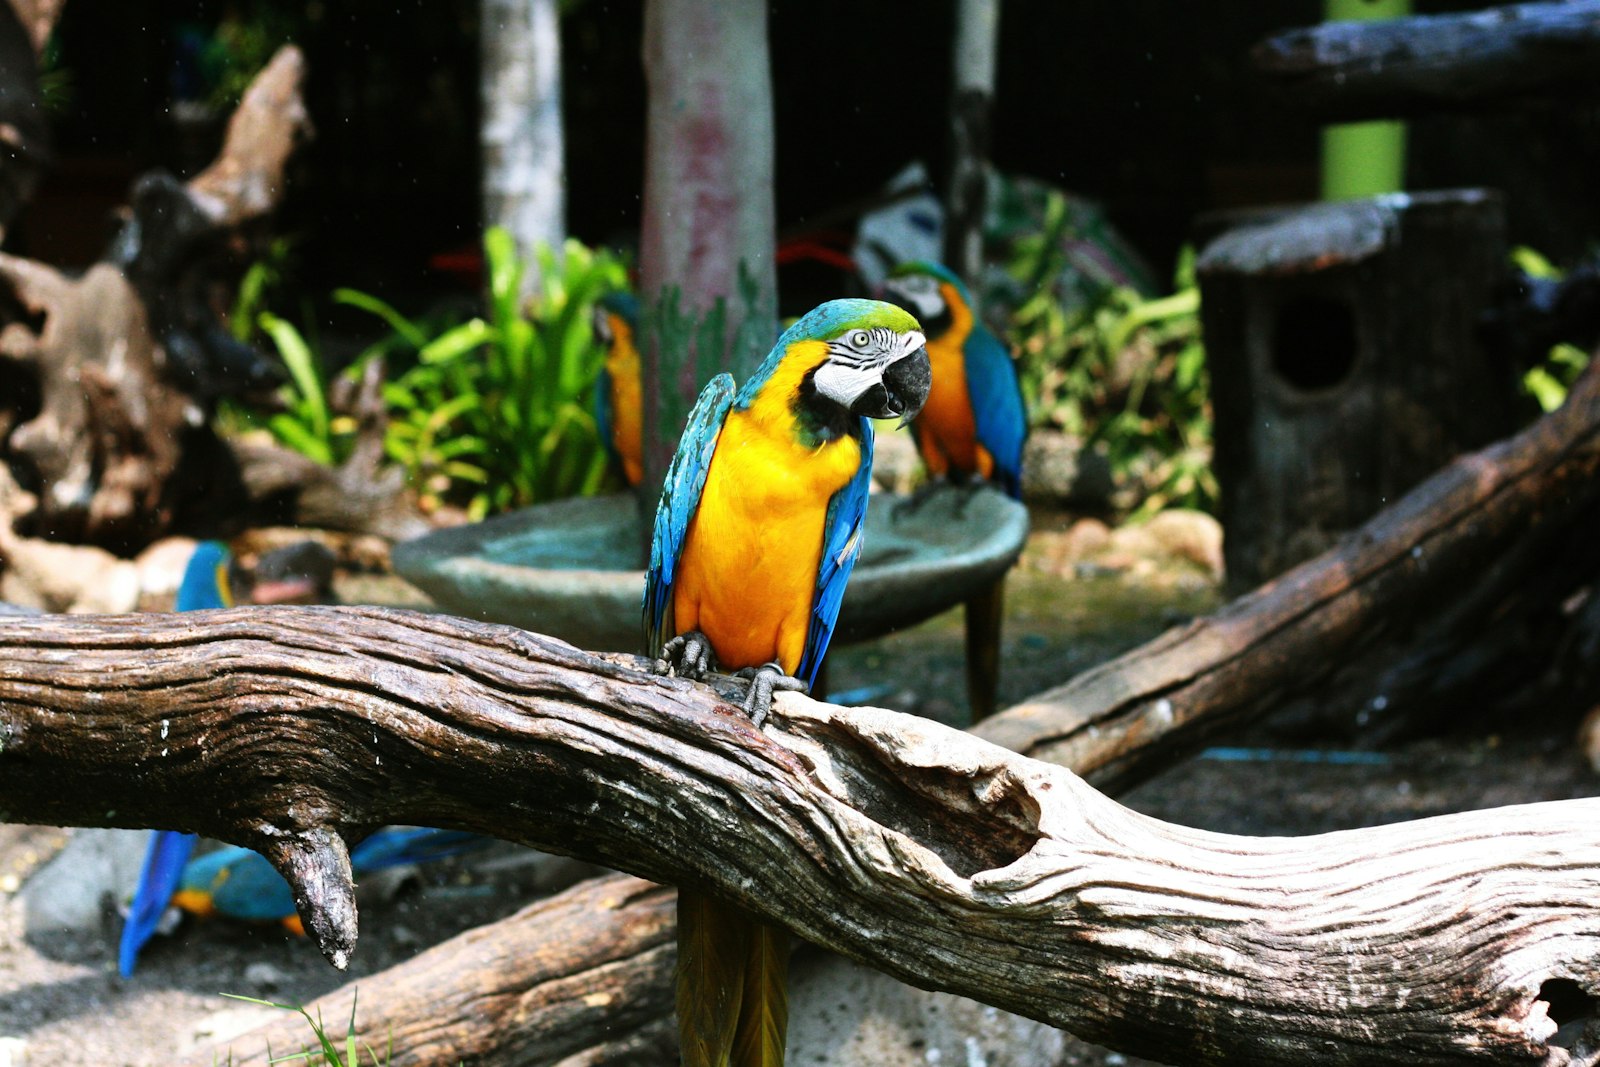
x=688 y=656
x=764 y=681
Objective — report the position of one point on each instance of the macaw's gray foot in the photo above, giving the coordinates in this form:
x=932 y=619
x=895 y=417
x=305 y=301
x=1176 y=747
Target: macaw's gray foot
x=688 y=656
x=919 y=496
x=968 y=489
x=764 y=681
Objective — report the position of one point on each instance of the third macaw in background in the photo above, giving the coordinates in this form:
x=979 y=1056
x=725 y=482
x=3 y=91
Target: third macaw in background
x=235 y=881
x=205 y=585
x=242 y=884
x=617 y=399
x=974 y=423
x=759 y=525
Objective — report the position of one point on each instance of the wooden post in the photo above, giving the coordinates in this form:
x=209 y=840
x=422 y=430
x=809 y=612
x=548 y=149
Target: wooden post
x=521 y=134
x=977 y=30
x=708 y=274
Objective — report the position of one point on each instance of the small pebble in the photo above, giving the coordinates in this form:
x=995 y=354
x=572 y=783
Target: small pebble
x=264 y=976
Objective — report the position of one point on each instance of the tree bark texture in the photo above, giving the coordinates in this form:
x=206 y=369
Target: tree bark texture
x=1350 y=71
x=708 y=231
x=522 y=140
x=947 y=862
x=1423 y=557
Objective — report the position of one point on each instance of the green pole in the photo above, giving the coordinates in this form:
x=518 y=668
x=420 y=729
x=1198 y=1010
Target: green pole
x=1363 y=158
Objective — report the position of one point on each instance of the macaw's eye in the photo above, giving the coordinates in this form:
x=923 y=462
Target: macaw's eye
x=860 y=339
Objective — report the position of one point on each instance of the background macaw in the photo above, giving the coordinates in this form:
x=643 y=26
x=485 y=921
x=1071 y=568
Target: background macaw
x=617 y=403
x=974 y=423
x=242 y=884
x=205 y=585
x=235 y=881
x=759 y=525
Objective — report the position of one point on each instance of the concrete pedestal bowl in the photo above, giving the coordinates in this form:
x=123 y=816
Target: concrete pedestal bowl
x=574 y=569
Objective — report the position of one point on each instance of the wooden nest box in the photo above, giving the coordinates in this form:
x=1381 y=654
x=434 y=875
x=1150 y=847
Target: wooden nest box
x=1345 y=362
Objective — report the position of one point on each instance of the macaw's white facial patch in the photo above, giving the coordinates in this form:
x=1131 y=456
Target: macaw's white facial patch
x=857 y=359
x=918 y=294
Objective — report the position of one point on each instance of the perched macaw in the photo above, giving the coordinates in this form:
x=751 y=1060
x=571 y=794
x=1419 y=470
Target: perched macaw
x=205 y=585
x=974 y=423
x=759 y=525
x=617 y=403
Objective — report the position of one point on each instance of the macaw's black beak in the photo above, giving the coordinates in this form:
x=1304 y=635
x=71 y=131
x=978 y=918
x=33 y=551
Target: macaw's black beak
x=902 y=392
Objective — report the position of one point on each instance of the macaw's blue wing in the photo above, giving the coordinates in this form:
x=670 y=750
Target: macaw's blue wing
x=680 y=496
x=242 y=884
x=163 y=868
x=204 y=585
x=393 y=846
x=604 y=417
x=999 y=418
x=841 y=547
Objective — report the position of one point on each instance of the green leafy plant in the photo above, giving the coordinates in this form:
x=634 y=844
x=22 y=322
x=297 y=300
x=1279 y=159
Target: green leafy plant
x=495 y=412
x=308 y=424
x=1124 y=373
x=1549 y=381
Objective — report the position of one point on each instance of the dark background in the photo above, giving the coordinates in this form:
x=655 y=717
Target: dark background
x=1145 y=105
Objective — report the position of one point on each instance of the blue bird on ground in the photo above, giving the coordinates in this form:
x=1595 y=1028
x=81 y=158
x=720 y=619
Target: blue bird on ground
x=233 y=881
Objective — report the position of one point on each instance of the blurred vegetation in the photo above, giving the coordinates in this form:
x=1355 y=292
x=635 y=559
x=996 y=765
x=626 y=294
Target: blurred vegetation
x=1548 y=381
x=1122 y=372
x=488 y=413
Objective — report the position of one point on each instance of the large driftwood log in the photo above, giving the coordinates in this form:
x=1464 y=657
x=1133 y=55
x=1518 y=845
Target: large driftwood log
x=129 y=358
x=1452 y=634
x=1346 y=71
x=947 y=862
x=1429 y=560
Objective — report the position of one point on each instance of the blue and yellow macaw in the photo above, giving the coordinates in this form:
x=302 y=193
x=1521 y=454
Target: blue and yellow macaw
x=617 y=397
x=205 y=585
x=759 y=525
x=242 y=884
x=974 y=423
x=234 y=881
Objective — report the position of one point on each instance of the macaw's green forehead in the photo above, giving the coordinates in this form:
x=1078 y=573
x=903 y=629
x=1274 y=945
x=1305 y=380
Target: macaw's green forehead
x=838 y=317
x=623 y=303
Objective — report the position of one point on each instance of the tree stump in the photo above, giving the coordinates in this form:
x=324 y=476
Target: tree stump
x=1346 y=363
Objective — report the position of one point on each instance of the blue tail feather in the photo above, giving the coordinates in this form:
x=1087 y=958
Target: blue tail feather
x=158 y=880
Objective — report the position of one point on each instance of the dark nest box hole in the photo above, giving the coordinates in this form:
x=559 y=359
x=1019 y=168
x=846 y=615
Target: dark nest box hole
x=1314 y=342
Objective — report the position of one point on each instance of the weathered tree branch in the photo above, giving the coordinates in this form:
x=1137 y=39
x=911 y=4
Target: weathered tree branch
x=1426 y=553
x=944 y=861
x=1345 y=71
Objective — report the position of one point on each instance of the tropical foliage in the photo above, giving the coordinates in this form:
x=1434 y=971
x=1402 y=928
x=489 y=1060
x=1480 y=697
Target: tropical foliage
x=487 y=414
x=1123 y=372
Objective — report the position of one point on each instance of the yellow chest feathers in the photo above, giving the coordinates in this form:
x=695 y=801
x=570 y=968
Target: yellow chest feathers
x=748 y=572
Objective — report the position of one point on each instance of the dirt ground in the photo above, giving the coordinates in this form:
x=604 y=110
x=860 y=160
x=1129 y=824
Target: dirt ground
x=62 y=1003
